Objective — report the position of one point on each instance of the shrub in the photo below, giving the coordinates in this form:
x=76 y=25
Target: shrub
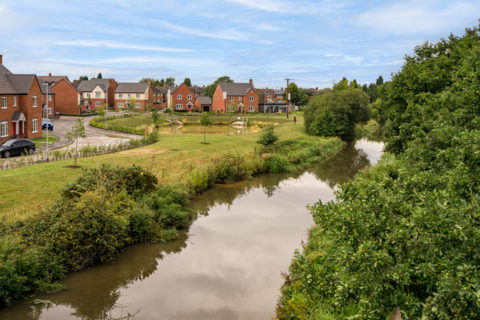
x=268 y=136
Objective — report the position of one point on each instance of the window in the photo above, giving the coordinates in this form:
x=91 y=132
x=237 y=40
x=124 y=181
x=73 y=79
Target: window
x=138 y=96
x=231 y=98
x=49 y=98
x=239 y=98
x=128 y=95
x=138 y=105
x=98 y=94
x=179 y=106
x=49 y=110
x=35 y=125
x=4 y=129
x=179 y=96
x=251 y=108
x=88 y=95
x=14 y=102
x=4 y=102
x=120 y=105
x=120 y=96
x=189 y=97
x=251 y=98
x=35 y=101
x=98 y=104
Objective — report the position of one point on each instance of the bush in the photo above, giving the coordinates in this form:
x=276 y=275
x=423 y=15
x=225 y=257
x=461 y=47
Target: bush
x=268 y=136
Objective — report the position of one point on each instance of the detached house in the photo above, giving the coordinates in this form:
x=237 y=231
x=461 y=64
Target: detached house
x=181 y=97
x=67 y=97
x=141 y=92
x=20 y=105
x=100 y=92
x=243 y=95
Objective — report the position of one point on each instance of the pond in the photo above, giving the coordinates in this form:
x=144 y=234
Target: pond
x=227 y=266
x=210 y=130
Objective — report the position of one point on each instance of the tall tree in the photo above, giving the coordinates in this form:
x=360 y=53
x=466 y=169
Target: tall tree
x=170 y=82
x=162 y=83
x=340 y=86
x=78 y=131
x=187 y=82
x=99 y=76
x=210 y=90
x=365 y=88
x=379 y=81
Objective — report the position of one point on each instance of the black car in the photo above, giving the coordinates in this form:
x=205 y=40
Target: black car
x=16 y=147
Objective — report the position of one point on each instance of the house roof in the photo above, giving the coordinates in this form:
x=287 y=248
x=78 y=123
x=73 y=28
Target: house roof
x=159 y=90
x=237 y=89
x=204 y=100
x=89 y=85
x=199 y=90
x=131 y=87
x=279 y=92
x=69 y=83
x=18 y=115
x=14 y=83
x=44 y=88
x=53 y=79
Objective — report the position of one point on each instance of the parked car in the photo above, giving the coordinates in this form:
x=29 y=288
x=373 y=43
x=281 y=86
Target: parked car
x=47 y=123
x=16 y=147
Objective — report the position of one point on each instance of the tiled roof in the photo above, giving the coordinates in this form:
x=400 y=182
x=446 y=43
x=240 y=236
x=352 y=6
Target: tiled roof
x=236 y=89
x=205 y=100
x=159 y=90
x=131 y=87
x=44 y=88
x=279 y=92
x=17 y=115
x=53 y=79
x=89 y=85
x=69 y=83
x=199 y=90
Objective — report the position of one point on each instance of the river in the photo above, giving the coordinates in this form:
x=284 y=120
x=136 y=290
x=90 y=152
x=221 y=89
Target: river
x=227 y=266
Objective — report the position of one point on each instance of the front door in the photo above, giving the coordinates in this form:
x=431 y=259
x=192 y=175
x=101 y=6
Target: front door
x=15 y=128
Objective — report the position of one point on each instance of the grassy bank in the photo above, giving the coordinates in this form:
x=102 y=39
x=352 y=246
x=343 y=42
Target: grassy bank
x=42 y=141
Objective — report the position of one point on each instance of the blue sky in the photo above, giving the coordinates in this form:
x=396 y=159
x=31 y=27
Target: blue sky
x=313 y=42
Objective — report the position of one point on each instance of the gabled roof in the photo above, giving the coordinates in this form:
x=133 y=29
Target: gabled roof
x=53 y=79
x=69 y=83
x=131 y=87
x=159 y=90
x=15 y=83
x=204 y=100
x=236 y=89
x=172 y=89
x=199 y=90
x=44 y=87
x=279 y=92
x=89 y=85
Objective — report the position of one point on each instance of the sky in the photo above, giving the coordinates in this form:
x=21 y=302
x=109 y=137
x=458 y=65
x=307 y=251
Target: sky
x=313 y=42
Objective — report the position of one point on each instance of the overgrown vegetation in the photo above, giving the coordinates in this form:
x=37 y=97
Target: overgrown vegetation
x=405 y=233
x=268 y=136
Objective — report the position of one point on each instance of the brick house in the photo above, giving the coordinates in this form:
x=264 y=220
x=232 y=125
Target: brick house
x=243 y=94
x=50 y=100
x=279 y=95
x=67 y=97
x=141 y=92
x=159 y=97
x=20 y=105
x=100 y=92
x=203 y=104
x=198 y=91
x=181 y=97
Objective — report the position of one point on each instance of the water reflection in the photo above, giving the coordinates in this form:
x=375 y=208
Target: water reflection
x=210 y=130
x=227 y=266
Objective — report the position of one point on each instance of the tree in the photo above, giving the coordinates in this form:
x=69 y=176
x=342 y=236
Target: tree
x=170 y=82
x=340 y=86
x=162 y=83
x=99 y=76
x=78 y=131
x=153 y=82
x=205 y=122
x=305 y=100
x=210 y=90
x=89 y=101
x=131 y=103
x=81 y=79
x=187 y=82
x=337 y=114
x=379 y=81
x=101 y=111
x=268 y=136
x=365 y=88
x=295 y=96
x=353 y=84
x=156 y=117
x=260 y=97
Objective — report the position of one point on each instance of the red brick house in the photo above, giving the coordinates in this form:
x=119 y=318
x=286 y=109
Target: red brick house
x=159 y=97
x=203 y=104
x=100 y=92
x=67 y=97
x=181 y=98
x=50 y=100
x=243 y=94
x=140 y=91
x=20 y=105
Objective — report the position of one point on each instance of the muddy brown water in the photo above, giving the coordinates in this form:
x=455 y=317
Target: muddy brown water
x=227 y=266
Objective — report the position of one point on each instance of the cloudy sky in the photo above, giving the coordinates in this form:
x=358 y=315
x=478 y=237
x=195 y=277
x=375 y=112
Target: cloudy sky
x=313 y=42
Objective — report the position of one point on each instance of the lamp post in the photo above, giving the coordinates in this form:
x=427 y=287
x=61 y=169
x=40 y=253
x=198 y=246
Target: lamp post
x=46 y=84
x=106 y=110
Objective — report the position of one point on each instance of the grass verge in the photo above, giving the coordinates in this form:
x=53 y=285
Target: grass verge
x=43 y=140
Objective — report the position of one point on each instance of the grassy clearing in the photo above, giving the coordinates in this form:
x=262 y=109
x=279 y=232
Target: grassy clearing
x=170 y=159
x=43 y=140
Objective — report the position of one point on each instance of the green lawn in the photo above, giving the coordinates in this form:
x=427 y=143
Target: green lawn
x=139 y=121
x=33 y=186
x=43 y=140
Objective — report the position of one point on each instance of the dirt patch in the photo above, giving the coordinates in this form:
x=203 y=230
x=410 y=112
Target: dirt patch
x=143 y=151
x=74 y=167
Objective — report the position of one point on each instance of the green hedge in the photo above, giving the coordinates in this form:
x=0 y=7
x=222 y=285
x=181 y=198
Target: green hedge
x=79 y=115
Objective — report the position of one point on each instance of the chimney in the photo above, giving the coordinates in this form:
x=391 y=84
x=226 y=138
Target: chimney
x=316 y=88
x=251 y=81
x=282 y=88
x=204 y=86
x=109 y=82
x=267 y=88
x=1 y=59
x=149 y=81
x=50 y=74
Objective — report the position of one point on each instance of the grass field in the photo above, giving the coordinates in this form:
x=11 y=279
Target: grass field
x=139 y=121
x=43 y=140
x=27 y=188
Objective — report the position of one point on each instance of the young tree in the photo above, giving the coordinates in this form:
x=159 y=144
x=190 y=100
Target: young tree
x=156 y=117
x=268 y=136
x=170 y=82
x=89 y=101
x=187 y=82
x=101 y=111
x=78 y=131
x=205 y=122
x=99 y=76
x=131 y=103
x=231 y=107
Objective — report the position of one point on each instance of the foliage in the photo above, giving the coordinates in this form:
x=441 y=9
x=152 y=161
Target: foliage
x=170 y=82
x=205 y=121
x=81 y=79
x=295 y=96
x=153 y=82
x=210 y=90
x=268 y=136
x=131 y=103
x=101 y=111
x=78 y=131
x=99 y=76
x=405 y=233
x=156 y=116
x=187 y=82
x=337 y=114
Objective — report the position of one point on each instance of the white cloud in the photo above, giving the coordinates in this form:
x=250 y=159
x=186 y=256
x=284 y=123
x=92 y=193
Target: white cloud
x=226 y=34
x=290 y=7
x=114 y=45
x=182 y=62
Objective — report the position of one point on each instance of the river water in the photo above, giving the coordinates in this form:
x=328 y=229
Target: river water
x=227 y=266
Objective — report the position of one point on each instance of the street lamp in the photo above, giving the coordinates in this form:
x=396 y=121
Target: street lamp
x=106 y=110
x=46 y=84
